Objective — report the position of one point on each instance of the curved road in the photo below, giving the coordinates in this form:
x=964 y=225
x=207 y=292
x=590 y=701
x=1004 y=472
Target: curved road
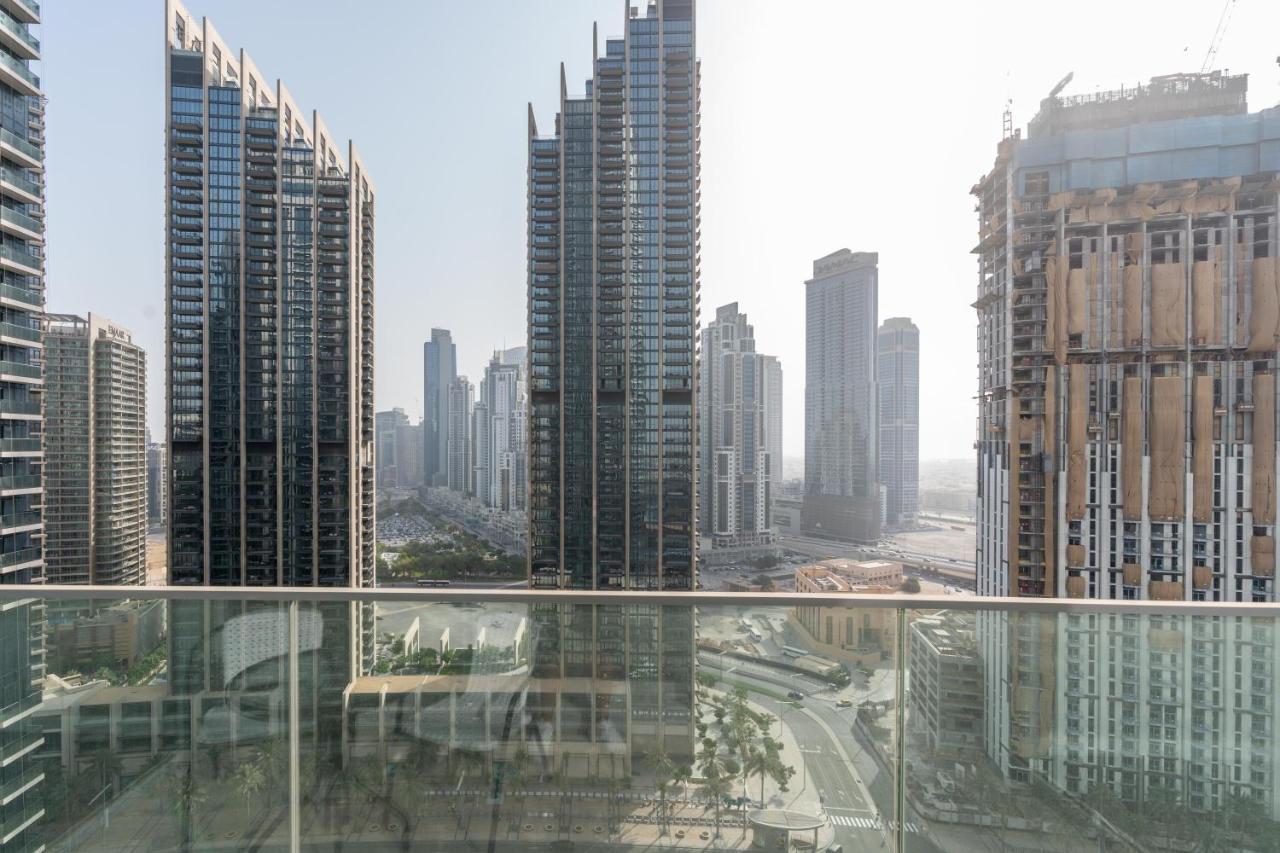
x=856 y=790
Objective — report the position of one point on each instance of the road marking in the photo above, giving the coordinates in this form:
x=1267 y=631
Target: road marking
x=869 y=823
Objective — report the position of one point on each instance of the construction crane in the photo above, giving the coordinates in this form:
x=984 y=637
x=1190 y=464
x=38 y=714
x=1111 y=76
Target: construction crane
x=1224 y=20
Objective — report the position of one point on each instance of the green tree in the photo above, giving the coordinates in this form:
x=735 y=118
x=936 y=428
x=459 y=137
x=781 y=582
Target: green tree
x=249 y=780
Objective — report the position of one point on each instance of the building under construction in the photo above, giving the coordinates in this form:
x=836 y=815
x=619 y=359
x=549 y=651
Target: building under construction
x=1128 y=316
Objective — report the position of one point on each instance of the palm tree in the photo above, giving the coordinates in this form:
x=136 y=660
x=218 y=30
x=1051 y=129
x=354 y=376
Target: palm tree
x=664 y=772
x=187 y=798
x=719 y=771
x=756 y=764
x=108 y=764
x=717 y=787
x=249 y=780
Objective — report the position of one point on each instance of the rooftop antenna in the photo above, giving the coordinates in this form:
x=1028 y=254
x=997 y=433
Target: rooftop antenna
x=1007 y=130
x=1224 y=20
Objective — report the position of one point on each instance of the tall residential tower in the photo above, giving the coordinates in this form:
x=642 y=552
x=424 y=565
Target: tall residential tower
x=440 y=368
x=460 y=455
x=841 y=488
x=898 y=375
x=269 y=351
x=21 y=304
x=613 y=316
x=95 y=452
x=740 y=399
x=501 y=448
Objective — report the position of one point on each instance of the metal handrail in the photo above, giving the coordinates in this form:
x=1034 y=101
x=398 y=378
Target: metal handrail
x=900 y=601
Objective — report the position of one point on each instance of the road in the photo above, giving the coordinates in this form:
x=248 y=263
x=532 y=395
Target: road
x=858 y=792
x=520 y=584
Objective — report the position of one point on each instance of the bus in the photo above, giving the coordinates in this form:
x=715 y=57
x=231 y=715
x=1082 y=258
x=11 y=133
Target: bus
x=432 y=582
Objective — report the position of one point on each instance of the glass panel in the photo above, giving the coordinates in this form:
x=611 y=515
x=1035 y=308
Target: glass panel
x=533 y=722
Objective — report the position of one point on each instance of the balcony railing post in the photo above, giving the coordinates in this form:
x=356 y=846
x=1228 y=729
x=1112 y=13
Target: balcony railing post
x=295 y=759
x=900 y=721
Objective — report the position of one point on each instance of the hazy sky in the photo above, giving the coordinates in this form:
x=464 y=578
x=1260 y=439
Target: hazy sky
x=825 y=125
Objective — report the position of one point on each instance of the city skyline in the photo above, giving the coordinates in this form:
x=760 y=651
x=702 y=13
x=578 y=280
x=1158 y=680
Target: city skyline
x=454 y=257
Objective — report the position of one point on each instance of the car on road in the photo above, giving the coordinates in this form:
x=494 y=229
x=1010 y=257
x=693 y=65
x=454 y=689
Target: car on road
x=845 y=703
x=795 y=695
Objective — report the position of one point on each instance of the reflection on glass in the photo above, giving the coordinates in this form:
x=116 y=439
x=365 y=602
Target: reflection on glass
x=529 y=724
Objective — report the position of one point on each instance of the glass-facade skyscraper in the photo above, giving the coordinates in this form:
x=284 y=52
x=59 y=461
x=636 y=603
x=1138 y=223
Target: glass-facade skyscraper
x=440 y=368
x=898 y=373
x=269 y=330
x=21 y=495
x=613 y=316
x=841 y=488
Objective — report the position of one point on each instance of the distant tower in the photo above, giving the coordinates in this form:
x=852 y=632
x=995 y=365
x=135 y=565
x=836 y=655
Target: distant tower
x=95 y=453
x=440 y=368
x=841 y=489
x=459 y=452
x=898 y=358
x=740 y=401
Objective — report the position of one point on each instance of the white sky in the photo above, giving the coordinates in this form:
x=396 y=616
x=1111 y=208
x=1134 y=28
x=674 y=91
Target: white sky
x=825 y=125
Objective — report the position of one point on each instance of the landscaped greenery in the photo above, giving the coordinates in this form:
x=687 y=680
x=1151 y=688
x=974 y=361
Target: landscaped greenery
x=455 y=555
x=110 y=671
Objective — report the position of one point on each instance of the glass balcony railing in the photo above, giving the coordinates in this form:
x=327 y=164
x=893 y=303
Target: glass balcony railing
x=493 y=720
x=19 y=67
x=13 y=330
x=19 y=256
x=10 y=138
x=16 y=179
x=21 y=294
x=18 y=31
x=19 y=407
x=19 y=481
x=20 y=219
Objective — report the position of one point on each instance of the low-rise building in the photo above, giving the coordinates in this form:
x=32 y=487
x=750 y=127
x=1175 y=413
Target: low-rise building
x=853 y=572
x=946 y=692
x=849 y=633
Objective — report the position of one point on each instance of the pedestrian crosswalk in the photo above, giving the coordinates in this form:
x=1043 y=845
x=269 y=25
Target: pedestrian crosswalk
x=870 y=823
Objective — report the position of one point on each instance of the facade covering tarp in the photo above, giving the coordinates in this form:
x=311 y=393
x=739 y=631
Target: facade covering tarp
x=1202 y=448
x=1264 y=448
x=1168 y=305
x=1165 y=590
x=1262 y=553
x=1077 y=436
x=1132 y=304
x=1131 y=454
x=1167 y=449
x=1264 y=319
x=1206 y=296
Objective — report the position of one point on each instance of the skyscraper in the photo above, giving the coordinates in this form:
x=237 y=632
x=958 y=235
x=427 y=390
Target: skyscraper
x=386 y=428
x=1128 y=318
x=500 y=445
x=1127 y=344
x=440 y=368
x=269 y=348
x=409 y=455
x=460 y=454
x=740 y=398
x=21 y=302
x=841 y=489
x=157 y=477
x=613 y=316
x=898 y=368
x=95 y=453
